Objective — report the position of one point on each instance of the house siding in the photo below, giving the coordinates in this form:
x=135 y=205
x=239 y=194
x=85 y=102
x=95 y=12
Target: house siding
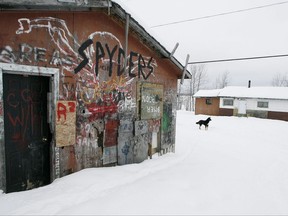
x=277 y=106
x=108 y=100
x=251 y=104
x=246 y=103
x=278 y=115
x=277 y=109
x=205 y=109
x=226 y=112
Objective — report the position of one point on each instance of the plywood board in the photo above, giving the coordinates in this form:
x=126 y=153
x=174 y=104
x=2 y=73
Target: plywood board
x=65 y=123
x=151 y=101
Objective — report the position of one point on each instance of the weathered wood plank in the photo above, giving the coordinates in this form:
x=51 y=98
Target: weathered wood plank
x=64 y=3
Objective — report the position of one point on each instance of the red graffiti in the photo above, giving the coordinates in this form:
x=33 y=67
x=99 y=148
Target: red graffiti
x=62 y=109
x=72 y=106
x=22 y=115
x=94 y=108
x=12 y=100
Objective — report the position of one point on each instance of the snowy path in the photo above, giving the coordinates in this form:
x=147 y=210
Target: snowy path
x=238 y=166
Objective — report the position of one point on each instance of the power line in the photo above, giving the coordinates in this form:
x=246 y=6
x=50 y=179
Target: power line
x=239 y=59
x=220 y=14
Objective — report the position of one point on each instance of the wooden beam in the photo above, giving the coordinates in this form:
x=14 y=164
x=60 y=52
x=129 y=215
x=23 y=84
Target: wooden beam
x=65 y=3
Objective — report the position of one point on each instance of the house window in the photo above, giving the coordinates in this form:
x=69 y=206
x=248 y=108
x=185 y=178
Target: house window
x=208 y=101
x=262 y=104
x=228 y=102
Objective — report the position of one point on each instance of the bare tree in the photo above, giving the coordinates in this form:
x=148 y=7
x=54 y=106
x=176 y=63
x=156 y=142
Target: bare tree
x=280 y=80
x=199 y=77
x=198 y=80
x=222 y=80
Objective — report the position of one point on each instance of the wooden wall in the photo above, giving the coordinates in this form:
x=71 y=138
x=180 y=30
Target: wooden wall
x=201 y=107
x=88 y=49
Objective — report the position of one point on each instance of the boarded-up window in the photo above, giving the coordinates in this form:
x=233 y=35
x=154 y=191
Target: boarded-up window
x=151 y=101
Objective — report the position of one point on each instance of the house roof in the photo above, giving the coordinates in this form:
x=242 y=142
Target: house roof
x=245 y=92
x=87 y=5
x=208 y=93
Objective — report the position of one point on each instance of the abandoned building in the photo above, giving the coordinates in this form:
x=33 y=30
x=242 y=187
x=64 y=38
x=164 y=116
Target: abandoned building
x=82 y=85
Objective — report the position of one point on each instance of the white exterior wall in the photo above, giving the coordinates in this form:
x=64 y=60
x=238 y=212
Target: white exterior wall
x=252 y=105
x=281 y=106
x=274 y=105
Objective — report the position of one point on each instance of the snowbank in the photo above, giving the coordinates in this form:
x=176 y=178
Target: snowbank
x=238 y=166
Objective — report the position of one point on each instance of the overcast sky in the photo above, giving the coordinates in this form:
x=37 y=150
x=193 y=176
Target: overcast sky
x=257 y=32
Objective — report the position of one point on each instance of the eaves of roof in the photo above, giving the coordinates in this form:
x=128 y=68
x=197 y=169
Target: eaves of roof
x=88 y=5
x=273 y=93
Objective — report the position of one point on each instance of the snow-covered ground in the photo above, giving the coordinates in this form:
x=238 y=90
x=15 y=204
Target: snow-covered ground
x=237 y=166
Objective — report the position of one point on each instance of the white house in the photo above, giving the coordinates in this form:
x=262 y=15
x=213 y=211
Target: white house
x=262 y=102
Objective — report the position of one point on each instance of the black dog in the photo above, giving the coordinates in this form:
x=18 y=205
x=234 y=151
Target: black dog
x=204 y=122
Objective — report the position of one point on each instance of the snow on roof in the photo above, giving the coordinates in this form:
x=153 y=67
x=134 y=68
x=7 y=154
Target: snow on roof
x=208 y=93
x=245 y=92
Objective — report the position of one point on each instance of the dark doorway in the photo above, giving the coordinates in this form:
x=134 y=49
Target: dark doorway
x=27 y=133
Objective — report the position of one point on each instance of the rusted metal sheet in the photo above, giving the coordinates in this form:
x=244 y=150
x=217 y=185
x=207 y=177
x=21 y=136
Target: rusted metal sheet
x=151 y=101
x=125 y=149
x=126 y=126
x=110 y=133
x=110 y=155
x=111 y=125
x=141 y=127
x=125 y=146
x=140 y=150
x=154 y=125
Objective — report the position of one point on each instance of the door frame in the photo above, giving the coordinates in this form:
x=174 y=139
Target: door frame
x=242 y=104
x=53 y=74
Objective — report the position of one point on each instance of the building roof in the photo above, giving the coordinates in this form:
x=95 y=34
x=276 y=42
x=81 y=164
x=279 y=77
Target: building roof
x=208 y=93
x=86 y=5
x=245 y=92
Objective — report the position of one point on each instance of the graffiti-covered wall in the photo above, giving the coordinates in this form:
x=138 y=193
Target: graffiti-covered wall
x=105 y=114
